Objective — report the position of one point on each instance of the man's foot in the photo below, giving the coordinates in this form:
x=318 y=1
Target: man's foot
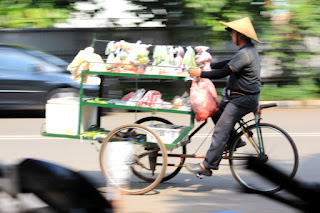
x=197 y=169
x=241 y=144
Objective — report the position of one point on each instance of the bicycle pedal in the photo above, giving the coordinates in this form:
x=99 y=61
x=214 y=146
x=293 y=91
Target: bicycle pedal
x=200 y=176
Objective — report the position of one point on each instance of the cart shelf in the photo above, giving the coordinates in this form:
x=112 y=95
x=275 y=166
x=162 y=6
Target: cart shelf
x=87 y=135
x=137 y=76
x=154 y=110
x=100 y=137
x=73 y=136
x=117 y=74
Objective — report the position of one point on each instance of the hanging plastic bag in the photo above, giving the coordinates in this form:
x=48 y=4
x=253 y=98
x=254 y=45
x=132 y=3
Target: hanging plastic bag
x=189 y=58
x=203 y=57
x=86 y=60
x=110 y=48
x=80 y=63
x=96 y=63
x=110 y=59
x=204 y=99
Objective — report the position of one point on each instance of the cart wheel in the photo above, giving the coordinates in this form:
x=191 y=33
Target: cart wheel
x=126 y=151
x=175 y=164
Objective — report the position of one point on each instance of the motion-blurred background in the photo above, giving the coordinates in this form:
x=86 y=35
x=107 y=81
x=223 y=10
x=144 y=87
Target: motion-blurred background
x=288 y=30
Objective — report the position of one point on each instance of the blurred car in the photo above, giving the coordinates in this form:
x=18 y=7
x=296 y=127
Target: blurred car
x=29 y=77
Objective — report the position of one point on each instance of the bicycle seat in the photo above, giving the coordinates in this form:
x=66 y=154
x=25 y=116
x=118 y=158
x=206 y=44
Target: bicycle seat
x=263 y=106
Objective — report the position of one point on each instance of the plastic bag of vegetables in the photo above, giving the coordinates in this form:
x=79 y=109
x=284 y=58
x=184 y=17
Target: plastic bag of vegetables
x=189 y=58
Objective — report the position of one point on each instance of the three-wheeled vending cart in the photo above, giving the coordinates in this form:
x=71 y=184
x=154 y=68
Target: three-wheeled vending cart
x=137 y=156
x=133 y=156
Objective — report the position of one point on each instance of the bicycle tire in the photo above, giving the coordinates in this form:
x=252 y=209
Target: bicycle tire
x=280 y=151
x=118 y=167
x=172 y=163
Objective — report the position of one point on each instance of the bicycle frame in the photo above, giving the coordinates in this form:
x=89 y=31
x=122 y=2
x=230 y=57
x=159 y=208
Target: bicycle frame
x=257 y=145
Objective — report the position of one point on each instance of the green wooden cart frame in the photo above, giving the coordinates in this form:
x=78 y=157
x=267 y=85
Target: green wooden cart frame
x=83 y=101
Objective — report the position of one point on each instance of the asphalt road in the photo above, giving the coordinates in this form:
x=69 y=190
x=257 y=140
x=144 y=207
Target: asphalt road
x=20 y=138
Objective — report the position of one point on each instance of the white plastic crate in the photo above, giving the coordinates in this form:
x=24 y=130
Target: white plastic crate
x=62 y=116
x=166 y=132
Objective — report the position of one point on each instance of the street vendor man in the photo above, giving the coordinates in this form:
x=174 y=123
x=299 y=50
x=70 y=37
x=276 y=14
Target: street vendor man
x=240 y=96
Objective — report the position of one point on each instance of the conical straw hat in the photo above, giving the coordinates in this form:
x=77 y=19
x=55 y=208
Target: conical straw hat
x=243 y=26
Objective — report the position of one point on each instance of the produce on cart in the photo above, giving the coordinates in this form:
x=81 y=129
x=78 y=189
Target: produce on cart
x=124 y=57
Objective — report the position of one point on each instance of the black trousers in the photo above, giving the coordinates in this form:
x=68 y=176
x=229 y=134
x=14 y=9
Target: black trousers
x=229 y=115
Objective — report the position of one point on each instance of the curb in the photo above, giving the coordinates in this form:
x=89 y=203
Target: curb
x=295 y=104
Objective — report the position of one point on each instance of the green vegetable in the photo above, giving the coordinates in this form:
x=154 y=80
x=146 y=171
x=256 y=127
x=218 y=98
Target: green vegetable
x=97 y=100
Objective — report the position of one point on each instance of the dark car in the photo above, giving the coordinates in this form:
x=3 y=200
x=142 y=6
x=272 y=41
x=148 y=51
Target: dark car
x=29 y=77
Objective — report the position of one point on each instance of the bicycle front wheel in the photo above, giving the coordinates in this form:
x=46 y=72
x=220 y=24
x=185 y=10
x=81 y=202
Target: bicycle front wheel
x=278 y=150
x=125 y=151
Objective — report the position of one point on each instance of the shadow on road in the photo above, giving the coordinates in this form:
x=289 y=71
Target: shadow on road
x=22 y=114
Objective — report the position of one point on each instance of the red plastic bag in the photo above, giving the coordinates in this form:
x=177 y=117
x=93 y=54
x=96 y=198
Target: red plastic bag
x=204 y=99
x=128 y=96
x=150 y=99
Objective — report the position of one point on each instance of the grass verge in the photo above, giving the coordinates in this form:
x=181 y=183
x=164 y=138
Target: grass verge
x=290 y=92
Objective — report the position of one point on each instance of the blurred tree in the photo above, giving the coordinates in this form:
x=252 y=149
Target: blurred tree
x=306 y=17
x=34 y=13
x=169 y=13
x=205 y=13
x=282 y=24
x=210 y=13
x=291 y=24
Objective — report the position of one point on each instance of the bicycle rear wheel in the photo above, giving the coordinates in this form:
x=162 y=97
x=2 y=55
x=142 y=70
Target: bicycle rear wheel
x=279 y=151
x=126 y=150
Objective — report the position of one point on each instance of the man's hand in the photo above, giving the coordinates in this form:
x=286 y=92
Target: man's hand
x=195 y=72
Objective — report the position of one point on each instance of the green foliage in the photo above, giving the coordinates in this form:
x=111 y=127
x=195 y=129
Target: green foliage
x=210 y=13
x=306 y=16
x=33 y=13
x=281 y=24
x=306 y=89
x=271 y=93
